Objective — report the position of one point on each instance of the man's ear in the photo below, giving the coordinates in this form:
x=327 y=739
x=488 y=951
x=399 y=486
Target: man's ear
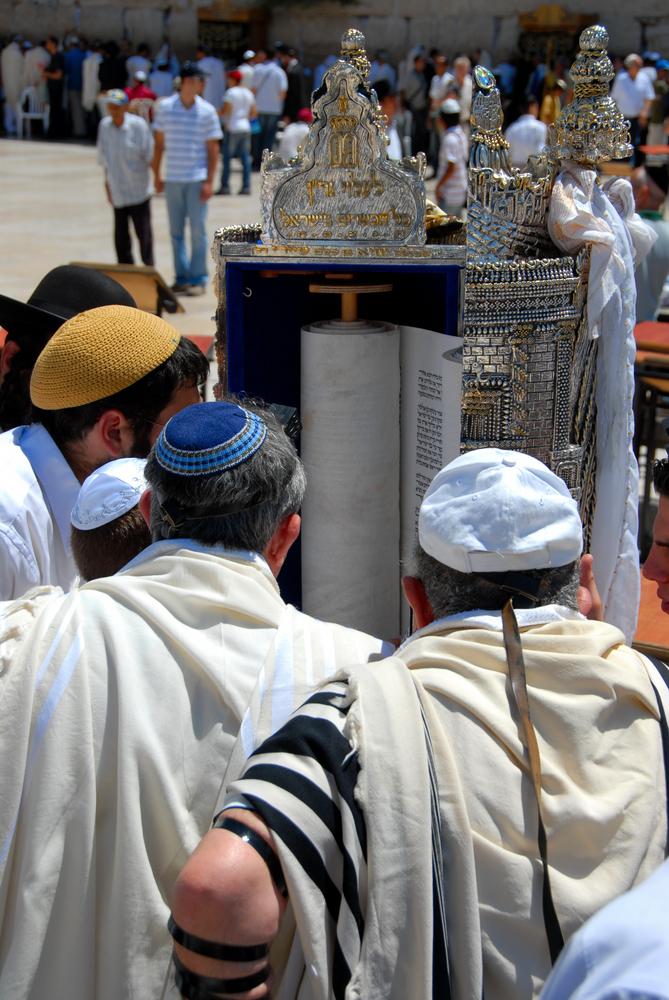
x=7 y=352
x=414 y=591
x=145 y=506
x=279 y=544
x=114 y=434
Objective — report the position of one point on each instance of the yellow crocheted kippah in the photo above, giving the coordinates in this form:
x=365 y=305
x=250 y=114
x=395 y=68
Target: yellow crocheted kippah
x=98 y=353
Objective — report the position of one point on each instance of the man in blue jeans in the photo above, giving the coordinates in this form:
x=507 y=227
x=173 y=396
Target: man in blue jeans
x=187 y=131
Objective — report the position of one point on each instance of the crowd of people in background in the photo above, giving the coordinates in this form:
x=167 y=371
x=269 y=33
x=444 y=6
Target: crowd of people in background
x=261 y=100
x=75 y=75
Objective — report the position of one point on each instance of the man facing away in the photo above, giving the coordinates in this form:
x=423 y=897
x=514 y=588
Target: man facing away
x=236 y=113
x=633 y=93
x=125 y=150
x=270 y=85
x=11 y=71
x=444 y=819
x=101 y=389
x=126 y=697
x=187 y=131
x=527 y=135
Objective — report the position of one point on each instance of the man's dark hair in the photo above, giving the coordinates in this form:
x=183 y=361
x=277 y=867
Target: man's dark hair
x=268 y=487
x=528 y=103
x=140 y=403
x=451 y=592
x=383 y=90
x=450 y=120
x=661 y=477
x=15 y=406
x=105 y=550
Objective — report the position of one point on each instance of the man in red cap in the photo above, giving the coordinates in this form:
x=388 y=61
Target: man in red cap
x=238 y=109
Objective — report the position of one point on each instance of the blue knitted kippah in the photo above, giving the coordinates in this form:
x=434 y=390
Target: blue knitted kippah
x=209 y=438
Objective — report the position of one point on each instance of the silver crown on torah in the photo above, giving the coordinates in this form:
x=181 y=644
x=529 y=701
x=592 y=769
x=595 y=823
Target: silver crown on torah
x=529 y=365
x=341 y=187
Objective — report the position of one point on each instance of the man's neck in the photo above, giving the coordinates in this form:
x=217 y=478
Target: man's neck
x=187 y=102
x=77 y=459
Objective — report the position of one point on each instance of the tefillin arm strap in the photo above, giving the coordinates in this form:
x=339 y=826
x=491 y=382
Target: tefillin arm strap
x=516 y=664
x=194 y=986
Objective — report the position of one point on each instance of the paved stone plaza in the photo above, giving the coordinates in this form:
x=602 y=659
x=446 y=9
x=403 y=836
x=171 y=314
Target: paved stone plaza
x=54 y=210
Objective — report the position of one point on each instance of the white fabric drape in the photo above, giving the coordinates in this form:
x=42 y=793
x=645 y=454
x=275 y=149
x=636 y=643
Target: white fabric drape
x=582 y=212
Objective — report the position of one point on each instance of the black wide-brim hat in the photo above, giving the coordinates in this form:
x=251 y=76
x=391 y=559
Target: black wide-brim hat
x=61 y=294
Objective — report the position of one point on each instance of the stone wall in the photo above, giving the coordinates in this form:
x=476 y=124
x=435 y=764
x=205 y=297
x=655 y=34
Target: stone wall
x=395 y=25
x=454 y=25
x=153 y=21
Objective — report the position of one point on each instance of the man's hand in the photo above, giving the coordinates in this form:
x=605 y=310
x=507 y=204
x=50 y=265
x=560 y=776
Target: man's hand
x=589 y=601
x=159 y=184
x=206 y=190
x=109 y=199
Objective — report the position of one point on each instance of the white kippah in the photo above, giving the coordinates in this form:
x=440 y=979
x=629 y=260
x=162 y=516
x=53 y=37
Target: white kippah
x=109 y=492
x=492 y=511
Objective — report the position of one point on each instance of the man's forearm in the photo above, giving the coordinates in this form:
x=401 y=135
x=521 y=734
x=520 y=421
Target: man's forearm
x=212 y=160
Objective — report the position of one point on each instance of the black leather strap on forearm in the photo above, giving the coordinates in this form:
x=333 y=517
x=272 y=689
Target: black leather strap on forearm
x=196 y=987
x=212 y=949
x=254 y=840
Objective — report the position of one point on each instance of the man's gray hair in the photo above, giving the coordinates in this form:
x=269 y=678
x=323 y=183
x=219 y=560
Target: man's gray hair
x=451 y=592
x=269 y=486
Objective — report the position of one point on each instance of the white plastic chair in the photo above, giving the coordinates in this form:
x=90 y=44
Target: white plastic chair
x=38 y=110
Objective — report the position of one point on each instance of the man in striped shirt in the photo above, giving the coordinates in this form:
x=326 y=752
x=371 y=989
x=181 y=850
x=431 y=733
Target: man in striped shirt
x=187 y=132
x=415 y=804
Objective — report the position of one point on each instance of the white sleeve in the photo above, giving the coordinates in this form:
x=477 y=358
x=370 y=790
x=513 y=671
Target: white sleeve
x=18 y=570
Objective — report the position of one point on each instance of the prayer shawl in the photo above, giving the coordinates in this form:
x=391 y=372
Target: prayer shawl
x=596 y=719
x=582 y=212
x=119 y=707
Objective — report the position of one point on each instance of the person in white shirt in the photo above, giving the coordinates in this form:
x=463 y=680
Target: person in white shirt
x=382 y=70
x=11 y=64
x=388 y=101
x=188 y=130
x=294 y=134
x=35 y=59
x=161 y=80
x=451 y=189
x=442 y=85
x=622 y=952
x=133 y=714
x=270 y=85
x=90 y=80
x=463 y=87
x=633 y=93
x=125 y=150
x=214 y=80
x=527 y=135
x=238 y=109
x=140 y=62
x=101 y=388
x=247 y=67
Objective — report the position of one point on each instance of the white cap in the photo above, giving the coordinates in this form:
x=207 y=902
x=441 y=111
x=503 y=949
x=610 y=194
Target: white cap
x=492 y=511
x=249 y=54
x=140 y=75
x=450 y=106
x=109 y=492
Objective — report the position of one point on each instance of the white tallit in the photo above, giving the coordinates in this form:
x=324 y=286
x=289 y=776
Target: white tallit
x=596 y=720
x=120 y=704
x=581 y=213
